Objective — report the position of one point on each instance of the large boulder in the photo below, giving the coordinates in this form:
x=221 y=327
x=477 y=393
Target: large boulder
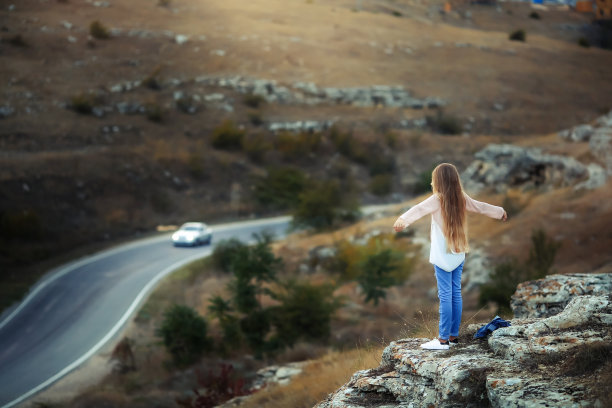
x=503 y=166
x=550 y=295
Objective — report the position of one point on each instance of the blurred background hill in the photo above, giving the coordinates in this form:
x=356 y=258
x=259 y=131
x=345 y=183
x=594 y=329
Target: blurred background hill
x=117 y=117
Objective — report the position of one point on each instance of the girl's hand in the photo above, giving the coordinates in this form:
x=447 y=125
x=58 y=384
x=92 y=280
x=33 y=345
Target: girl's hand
x=505 y=216
x=399 y=225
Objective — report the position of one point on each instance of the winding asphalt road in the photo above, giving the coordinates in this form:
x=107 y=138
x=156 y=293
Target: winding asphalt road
x=79 y=307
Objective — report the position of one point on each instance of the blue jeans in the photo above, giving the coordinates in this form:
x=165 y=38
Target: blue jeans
x=449 y=293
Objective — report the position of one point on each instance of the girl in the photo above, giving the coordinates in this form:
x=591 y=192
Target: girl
x=449 y=243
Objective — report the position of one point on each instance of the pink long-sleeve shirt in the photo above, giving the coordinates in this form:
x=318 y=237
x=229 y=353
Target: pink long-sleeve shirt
x=438 y=254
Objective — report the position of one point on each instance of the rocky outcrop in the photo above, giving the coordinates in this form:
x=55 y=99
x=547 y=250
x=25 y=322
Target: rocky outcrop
x=528 y=364
x=504 y=166
x=598 y=135
x=310 y=94
x=550 y=295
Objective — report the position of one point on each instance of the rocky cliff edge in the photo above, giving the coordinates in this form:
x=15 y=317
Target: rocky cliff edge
x=559 y=360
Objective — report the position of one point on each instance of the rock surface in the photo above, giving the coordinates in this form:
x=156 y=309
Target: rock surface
x=550 y=295
x=515 y=367
x=503 y=166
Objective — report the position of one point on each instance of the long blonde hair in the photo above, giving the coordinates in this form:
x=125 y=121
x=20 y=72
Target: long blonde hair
x=446 y=184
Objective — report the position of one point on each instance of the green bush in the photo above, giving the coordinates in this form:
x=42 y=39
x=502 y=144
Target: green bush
x=349 y=146
x=256 y=146
x=444 y=123
x=535 y=15
x=381 y=184
x=518 y=35
x=280 y=188
x=583 y=42
x=377 y=274
x=508 y=274
x=83 y=103
x=423 y=183
x=183 y=332
x=323 y=205
x=253 y=101
x=98 y=30
x=225 y=252
x=295 y=146
x=227 y=136
x=304 y=312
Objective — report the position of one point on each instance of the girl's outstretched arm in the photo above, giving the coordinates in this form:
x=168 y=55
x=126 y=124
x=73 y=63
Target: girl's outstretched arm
x=421 y=209
x=480 y=207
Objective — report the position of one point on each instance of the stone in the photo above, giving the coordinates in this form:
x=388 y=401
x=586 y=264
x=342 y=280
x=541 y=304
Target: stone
x=502 y=166
x=597 y=178
x=6 y=111
x=181 y=39
x=550 y=295
x=580 y=133
x=600 y=145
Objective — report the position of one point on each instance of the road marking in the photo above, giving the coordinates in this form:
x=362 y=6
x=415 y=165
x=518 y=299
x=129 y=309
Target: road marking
x=63 y=270
x=111 y=333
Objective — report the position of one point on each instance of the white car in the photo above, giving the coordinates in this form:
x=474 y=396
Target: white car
x=192 y=234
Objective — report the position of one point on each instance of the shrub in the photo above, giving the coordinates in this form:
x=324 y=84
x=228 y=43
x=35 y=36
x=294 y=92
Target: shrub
x=304 y=312
x=294 y=146
x=518 y=35
x=280 y=188
x=153 y=81
x=83 y=103
x=183 y=332
x=396 y=13
x=98 y=30
x=186 y=104
x=123 y=357
x=423 y=183
x=512 y=205
x=255 y=146
x=160 y=201
x=255 y=119
x=444 y=123
x=216 y=388
x=376 y=275
x=381 y=184
x=323 y=205
x=535 y=15
x=253 y=101
x=227 y=136
x=508 y=274
x=348 y=145
x=164 y=3
x=225 y=251
x=195 y=164
x=17 y=41
x=583 y=42
x=154 y=112
x=391 y=138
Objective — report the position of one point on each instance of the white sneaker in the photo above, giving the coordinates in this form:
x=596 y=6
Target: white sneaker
x=435 y=345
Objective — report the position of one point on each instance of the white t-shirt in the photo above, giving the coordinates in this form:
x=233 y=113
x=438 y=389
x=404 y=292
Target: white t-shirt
x=438 y=254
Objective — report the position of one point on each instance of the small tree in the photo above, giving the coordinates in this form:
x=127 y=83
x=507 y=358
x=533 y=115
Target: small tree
x=280 y=188
x=183 y=332
x=305 y=311
x=377 y=275
x=323 y=205
x=225 y=252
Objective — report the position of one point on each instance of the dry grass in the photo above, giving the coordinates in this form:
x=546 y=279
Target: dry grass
x=320 y=377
